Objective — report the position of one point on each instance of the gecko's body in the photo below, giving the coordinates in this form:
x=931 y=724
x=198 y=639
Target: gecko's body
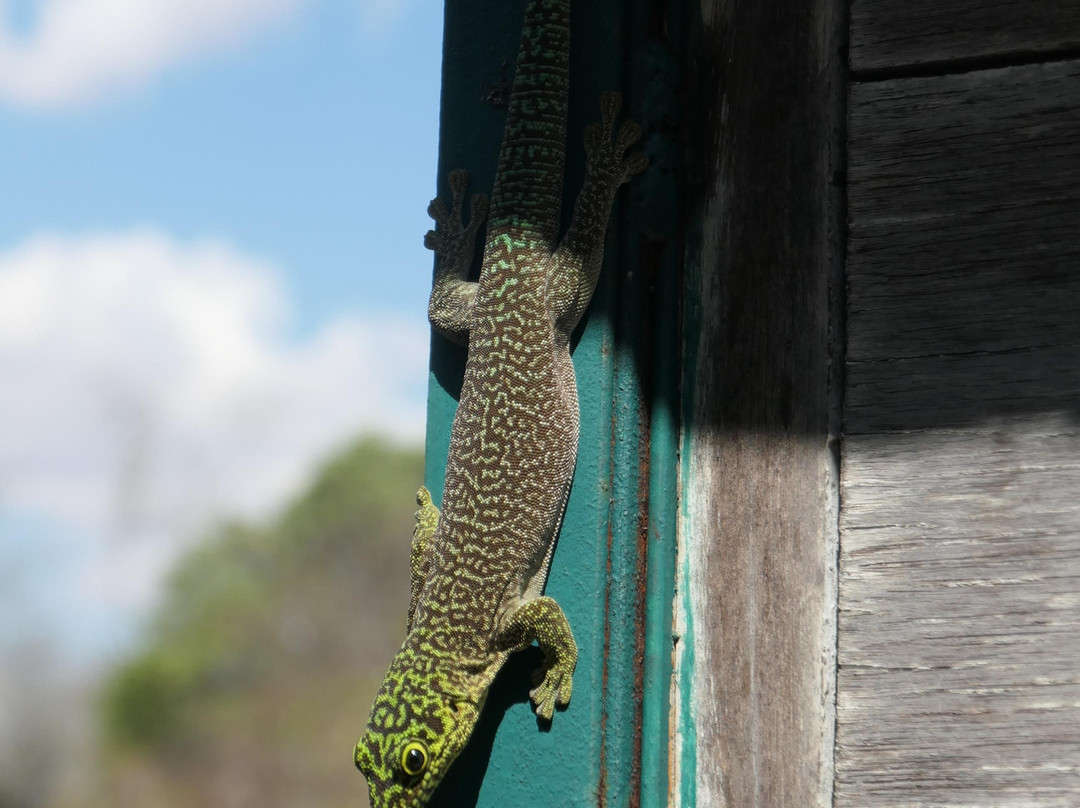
x=479 y=566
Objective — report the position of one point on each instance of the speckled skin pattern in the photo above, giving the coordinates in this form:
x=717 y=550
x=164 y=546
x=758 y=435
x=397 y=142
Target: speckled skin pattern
x=479 y=567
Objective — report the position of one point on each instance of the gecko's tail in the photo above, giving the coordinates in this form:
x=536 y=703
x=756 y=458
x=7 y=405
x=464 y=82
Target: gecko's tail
x=528 y=190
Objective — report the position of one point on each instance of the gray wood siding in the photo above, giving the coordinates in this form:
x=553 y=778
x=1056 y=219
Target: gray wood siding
x=959 y=626
x=896 y=34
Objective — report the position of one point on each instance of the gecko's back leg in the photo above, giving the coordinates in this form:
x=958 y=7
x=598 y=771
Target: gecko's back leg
x=454 y=244
x=427 y=520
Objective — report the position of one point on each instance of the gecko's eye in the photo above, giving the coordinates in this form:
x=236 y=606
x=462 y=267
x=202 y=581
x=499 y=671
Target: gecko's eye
x=414 y=758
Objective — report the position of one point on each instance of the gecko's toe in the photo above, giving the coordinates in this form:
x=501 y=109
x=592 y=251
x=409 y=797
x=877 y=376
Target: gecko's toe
x=554 y=687
x=435 y=242
x=566 y=690
x=629 y=134
x=479 y=209
x=610 y=103
x=459 y=181
x=544 y=699
x=436 y=209
x=635 y=164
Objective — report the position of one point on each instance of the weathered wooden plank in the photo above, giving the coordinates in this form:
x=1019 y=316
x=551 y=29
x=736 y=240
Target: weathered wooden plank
x=959 y=628
x=761 y=531
x=964 y=246
x=992 y=140
x=953 y=389
x=959 y=679
x=890 y=34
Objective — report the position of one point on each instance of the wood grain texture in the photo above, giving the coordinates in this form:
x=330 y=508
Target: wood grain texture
x=959 y=640
x=959 y=659
x=964 y=248
x=898 y=34
x=761 y=529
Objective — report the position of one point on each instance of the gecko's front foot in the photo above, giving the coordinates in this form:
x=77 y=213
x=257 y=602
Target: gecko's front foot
x=605 y=150
x=542 y=620
x=452 y=240
x=556 y=684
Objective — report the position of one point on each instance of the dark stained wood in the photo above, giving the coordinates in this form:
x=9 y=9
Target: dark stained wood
x=761 y=530
x=959 y=629
x=964 y=247
x=900 y=34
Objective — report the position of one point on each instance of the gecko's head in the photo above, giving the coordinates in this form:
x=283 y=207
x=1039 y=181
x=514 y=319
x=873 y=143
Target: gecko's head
x=415 y=732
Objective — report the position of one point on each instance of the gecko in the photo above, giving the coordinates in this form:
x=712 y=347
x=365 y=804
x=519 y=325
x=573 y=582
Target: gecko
x=479 y=566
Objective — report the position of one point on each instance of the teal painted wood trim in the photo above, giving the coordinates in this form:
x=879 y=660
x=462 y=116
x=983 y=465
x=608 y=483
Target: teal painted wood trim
x=614 y=567
x=624 y=646
x=657 y=730
x=654 y=30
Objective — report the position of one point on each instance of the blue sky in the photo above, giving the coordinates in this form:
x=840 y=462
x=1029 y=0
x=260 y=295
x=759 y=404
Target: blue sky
x=312 y=143
x=212 y=274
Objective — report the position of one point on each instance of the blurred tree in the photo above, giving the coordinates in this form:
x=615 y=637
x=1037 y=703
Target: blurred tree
x=258 y=671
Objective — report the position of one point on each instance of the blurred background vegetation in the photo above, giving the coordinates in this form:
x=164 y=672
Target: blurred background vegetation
x=212 y=277
x=255 y=676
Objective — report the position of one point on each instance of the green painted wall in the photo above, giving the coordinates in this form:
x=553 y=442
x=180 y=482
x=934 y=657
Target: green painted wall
x=614 y=566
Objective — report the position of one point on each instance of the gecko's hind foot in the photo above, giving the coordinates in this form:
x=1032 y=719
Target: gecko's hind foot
x=554 y=686
x=452 y=239
x=605 y=148
x=427 y=516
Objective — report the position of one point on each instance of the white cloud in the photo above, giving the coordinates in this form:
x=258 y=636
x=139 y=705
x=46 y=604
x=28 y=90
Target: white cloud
x=81 y=50
x=150 y=388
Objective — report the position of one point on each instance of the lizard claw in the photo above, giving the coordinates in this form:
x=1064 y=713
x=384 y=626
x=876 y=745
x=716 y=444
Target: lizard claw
x=610 y=103
x=605 y=148
x=436 y=209
x=435 y=242
x=452 y=238
x=554 y=686
x=635 y=164
x=459 y=181
x=423 y=499
x=629 y=134
x=479 y=210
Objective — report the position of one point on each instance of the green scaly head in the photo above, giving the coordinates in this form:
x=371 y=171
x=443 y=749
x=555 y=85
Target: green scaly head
x=419 y=724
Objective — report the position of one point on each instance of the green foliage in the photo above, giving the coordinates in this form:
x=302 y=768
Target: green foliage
x=268 y=646
x=143 y=702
